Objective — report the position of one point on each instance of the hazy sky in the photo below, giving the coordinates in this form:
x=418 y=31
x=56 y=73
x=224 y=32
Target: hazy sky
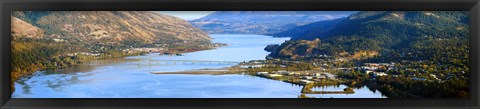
x=187 y=15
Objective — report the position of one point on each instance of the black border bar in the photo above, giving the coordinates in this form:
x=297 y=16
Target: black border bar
x=224 y=5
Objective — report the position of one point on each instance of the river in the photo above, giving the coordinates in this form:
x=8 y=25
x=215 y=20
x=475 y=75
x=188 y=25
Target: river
x=122 y=80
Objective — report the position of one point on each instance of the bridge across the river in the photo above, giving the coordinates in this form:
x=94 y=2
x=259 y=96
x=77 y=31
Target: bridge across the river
x=167 y=62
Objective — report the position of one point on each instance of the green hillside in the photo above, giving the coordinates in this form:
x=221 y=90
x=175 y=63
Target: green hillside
x=421 y=43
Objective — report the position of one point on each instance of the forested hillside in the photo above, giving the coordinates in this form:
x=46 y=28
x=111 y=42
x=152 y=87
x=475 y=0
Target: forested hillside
x=423 y=44
x=379 y=31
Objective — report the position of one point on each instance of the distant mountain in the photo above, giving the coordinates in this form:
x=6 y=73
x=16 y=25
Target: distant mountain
x=312 y=29
x=385 y=35
x=262 y=22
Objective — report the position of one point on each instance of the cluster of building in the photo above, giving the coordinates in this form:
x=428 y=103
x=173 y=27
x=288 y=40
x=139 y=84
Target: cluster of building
x=432 y=77
x=150 y=50
x=59 y=40
x=374 y=69
x=370 y=68
x=253 y=64
x=132 y=50
x=375 y=74
x=84 y=53
x=270 y=75
x=375 y=66
x=304 y=76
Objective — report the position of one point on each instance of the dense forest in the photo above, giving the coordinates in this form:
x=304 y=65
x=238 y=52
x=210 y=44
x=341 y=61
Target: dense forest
x=386 y=32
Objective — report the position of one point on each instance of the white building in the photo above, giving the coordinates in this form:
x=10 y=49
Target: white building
x=262 y=73
x=369 y=68
x=368 y=72
x=305 y=82
x=379 y=74
x=252 y=66
x=274 y=75
x=283 y=72
x=419 y=79
x=307 y=77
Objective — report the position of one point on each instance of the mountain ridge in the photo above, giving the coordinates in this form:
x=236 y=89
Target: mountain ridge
x=261 y=22
x=113 y=25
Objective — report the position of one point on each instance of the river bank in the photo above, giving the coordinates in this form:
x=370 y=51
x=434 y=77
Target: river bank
x=67 y=60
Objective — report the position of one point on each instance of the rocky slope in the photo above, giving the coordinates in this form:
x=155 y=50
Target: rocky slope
x=112 y=26
x=21 y=28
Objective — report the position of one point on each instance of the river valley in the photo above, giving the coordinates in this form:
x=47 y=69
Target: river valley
x=99 y=79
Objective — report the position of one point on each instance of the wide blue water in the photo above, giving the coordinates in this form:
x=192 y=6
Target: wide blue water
x=123 y=80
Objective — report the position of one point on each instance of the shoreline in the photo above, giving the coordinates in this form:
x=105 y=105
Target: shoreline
x=93 y=58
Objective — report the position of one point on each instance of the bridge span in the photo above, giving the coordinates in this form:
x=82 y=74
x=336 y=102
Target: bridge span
x=165 y=62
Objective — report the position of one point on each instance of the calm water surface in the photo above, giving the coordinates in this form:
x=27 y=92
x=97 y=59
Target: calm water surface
x=123 y=80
